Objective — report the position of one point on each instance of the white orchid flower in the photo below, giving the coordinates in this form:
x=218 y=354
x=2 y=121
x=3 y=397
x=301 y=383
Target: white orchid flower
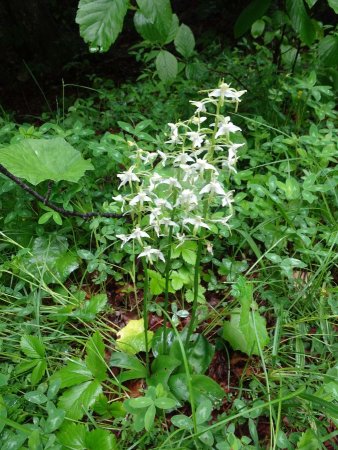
x=151 y=253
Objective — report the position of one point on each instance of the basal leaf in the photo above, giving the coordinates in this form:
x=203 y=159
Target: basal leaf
x=78 y=399
x=101 y=21
x=73 y=436
x=185 y=41
x=37 y=160
x=131 y=338
x=95 y=357
x=203 y=387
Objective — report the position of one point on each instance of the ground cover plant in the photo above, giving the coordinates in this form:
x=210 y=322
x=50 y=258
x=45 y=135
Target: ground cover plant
x=168 y=265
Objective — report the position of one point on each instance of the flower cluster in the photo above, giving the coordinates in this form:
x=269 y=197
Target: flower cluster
x=182 y=188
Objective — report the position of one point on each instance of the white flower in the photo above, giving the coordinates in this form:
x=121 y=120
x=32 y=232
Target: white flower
x=163 y=157
x=120 y=199
x=224 y=90
x=171 y=181
x=198 y=120
x=154 y=181
x=161 y=202
x=181 y=237
x=123 y=238
x=196 y=138
x=167 y=222
x=149 y=157
x=154 y=214
x=223 y=220
x=226 y=127
x=138 y=234
x=182 y=159
x=210 y=248
x=202 y=165
x=200 y=106
x=140 y=198
x=214 y=187
x=197 y=222
x=228 y=199
x=151 y=253
x=127 y=177
x=232 y=157
x=174 y=137
x=187 y=199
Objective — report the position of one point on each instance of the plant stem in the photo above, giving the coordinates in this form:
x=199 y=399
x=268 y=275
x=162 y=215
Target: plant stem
x=196 y=283
x=166 y=293
x=145 y=313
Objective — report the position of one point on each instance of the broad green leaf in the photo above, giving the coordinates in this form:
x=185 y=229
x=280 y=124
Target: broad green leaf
x=50 y=259
x=73 y=436
x=189 y=295
x=149 y=417
x=161 y=369
x=308 y=441
x=78 y=399
x=179 y=278
x=135 y=369
x=140 y=402
x=75 y=372
x=188 y=252
x=101 y=21
x=36 y=397
x=55 y=419
x=200 y=354
x=245 y=324
x=156 y=282
x=300 y=21
x=334 y=5
x=131 y=338
x=166 y=66
x=154 y=20
x=32 y=346
x=100 y=439
x=203 y=387
x=37 y=160
x=182 y=421
x=95 y=357
x=328 y=50
x=255 y=10
x=185 y=41
x=257 y=28
x=203 y=412
x=292 y=189
x=165 y=403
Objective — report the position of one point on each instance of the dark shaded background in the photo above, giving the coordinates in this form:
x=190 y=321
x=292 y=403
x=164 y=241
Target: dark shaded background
x=40 y=46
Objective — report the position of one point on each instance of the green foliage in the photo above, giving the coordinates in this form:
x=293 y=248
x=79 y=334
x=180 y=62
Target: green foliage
x=131 y=338
x=37 y=160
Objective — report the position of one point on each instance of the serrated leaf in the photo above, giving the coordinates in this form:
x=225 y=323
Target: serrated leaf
x=166 y=66
x=101 y=21
x=188 y=252
x=189 y=295
x=131 y=338
x=154 y=20
x=75 y=372
x=100 y=439
x=32 y=346
x=135 y=369
x=300 y=21
x=78 y=399
x=91 y=307
x=308 y=441
x=95 y=357
x=255 y=10
x=185 y=41
x=37 y=160
x=156 y=282
x=73 y=436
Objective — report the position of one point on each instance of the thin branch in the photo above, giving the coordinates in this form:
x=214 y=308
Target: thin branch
x=51 y=205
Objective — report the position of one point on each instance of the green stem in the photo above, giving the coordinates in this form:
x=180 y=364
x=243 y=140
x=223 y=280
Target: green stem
x=166 y=290
x=145 y=313
x=196 y=283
